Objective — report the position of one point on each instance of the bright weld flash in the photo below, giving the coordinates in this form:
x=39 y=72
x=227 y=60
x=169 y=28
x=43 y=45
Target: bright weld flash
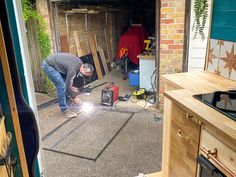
x=87 y=107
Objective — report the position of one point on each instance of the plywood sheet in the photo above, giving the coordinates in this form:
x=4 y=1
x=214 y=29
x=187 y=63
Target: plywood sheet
x=95 y=55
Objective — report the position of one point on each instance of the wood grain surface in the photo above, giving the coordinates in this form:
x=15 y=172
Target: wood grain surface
x=199 y=82
x=184 y=144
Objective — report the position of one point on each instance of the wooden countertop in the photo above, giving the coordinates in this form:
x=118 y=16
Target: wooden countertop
x=202 y=82
x=152 y=57
x=199 y=81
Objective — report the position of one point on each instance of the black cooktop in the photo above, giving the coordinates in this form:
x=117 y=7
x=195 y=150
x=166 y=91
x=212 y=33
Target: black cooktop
x=223 y=101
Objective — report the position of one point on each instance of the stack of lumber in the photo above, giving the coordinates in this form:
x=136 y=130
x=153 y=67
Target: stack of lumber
x=99 y=60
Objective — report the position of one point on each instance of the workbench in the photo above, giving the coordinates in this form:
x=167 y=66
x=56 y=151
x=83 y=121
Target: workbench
x=191 y=128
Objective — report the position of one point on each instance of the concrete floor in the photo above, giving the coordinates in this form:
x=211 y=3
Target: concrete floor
x=123 y=140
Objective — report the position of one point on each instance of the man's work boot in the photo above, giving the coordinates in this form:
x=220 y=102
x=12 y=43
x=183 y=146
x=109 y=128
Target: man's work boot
x=68 y=113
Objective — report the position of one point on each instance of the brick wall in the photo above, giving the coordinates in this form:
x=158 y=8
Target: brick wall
x=171 y=38
x=42 y=8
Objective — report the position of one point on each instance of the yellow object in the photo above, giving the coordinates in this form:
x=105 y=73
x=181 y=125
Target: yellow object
x=147 y=42
x=140 y=94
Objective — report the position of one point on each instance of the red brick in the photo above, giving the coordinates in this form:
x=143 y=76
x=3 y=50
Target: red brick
x=164 y=4
x=175 y=46
x=180 y=31
x=166 y=51
x=167 y=21
x=167 y=42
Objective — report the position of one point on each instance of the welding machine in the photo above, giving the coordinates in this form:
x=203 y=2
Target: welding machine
x=109 y=95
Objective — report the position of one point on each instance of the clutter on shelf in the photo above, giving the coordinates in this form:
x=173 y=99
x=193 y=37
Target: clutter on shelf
x=150 y=48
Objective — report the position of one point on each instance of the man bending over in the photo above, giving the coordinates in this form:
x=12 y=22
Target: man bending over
x=61 y=69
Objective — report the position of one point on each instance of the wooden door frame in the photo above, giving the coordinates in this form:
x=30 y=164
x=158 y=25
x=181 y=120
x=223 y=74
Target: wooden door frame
x=187 y=20
x=12 y=102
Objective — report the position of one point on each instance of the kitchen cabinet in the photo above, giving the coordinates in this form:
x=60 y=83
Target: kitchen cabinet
x=184 y=135
x=192 y=128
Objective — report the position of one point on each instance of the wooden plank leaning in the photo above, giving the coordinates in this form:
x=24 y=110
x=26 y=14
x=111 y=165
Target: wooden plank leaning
x=80 y=49
x=104 y=62
x=95 y=55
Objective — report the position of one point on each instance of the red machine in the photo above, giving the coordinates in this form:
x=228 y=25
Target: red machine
x=110 y=95
x=131 y=43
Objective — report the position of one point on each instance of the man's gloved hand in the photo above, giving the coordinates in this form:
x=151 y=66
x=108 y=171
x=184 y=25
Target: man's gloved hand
x=77 y=100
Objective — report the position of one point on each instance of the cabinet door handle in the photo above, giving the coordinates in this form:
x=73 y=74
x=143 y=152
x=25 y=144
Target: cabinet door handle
x=192 y=118
x=188 y=115
x=196 y=120
x=179 y=133
x=213 y=156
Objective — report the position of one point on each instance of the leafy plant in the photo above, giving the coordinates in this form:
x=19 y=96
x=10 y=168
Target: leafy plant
x=44 y=42
x=28 y=10
x=200 y=17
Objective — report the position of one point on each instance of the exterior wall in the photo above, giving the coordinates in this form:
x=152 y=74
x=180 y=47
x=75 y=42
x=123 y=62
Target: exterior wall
x=198 y=47
x=171 y=38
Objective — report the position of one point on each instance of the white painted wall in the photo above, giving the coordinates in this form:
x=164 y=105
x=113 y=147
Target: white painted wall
x=197 y=47
x=27 y=70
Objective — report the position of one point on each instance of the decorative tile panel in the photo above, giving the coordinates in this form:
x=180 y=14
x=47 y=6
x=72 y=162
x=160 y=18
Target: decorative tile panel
x=222 y=58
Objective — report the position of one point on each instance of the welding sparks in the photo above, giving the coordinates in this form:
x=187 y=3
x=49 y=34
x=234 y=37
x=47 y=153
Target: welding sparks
x=87 y=107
